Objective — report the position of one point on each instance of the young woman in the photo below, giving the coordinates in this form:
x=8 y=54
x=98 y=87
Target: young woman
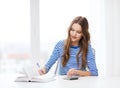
x=74 y=53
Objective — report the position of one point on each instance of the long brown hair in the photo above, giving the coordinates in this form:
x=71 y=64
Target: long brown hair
x=83 y=43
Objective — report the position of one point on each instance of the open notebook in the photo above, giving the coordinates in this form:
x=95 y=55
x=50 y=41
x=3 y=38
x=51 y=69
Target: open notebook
x=31 y=74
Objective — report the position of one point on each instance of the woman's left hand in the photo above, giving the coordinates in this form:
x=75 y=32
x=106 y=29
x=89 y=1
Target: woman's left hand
x=72 y=72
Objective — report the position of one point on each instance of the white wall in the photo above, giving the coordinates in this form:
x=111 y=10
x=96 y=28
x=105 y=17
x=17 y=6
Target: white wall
x=112 y=37
x=97 y=30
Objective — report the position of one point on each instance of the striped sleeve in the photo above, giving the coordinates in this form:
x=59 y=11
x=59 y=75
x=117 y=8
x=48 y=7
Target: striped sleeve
x=91 y=62
x=54 y=56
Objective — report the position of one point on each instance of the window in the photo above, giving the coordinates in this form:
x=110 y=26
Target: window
x=14 y=33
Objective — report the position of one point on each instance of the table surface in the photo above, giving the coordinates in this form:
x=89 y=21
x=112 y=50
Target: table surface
x=7 y=81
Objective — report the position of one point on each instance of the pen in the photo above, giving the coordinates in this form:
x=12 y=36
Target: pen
x=38 y=65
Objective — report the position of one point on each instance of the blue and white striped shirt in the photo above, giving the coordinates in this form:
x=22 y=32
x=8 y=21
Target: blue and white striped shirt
x=72 y=63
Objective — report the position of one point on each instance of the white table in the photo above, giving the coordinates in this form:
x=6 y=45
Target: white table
x=7 y=81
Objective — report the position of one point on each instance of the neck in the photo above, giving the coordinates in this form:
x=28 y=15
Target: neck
x=74 y=44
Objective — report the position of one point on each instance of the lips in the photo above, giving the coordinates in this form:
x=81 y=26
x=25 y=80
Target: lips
x=73 y=37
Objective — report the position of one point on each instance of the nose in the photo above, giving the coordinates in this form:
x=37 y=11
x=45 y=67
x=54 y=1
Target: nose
x=74 y=33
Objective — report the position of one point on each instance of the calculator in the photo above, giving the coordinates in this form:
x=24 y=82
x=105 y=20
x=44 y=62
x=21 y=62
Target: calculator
x=75 y=77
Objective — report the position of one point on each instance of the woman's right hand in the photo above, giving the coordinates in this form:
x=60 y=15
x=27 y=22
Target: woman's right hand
x=42 y=71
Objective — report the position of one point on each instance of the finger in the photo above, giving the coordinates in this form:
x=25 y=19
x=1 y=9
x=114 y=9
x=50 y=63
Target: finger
x=69 y=73
x=41 y=72
x=72 y=72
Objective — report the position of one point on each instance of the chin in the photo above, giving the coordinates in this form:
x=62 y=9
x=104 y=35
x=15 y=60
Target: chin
x=74 y=40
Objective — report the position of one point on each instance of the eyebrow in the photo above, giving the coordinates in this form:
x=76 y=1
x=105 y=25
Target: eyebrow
x=76 y=30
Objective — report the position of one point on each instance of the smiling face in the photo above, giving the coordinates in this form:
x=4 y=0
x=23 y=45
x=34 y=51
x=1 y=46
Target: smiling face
x=78 y=35
x=75 y=34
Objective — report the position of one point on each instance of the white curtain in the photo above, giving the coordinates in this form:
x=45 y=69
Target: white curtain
x=112 y=14
x=106 y=14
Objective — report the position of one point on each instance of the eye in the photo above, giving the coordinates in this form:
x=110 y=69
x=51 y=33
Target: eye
x=79 y=32
x=72 y=29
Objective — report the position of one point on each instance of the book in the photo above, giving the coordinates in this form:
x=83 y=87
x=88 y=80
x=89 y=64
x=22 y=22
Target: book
x=31 y=74
x=40 y=79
